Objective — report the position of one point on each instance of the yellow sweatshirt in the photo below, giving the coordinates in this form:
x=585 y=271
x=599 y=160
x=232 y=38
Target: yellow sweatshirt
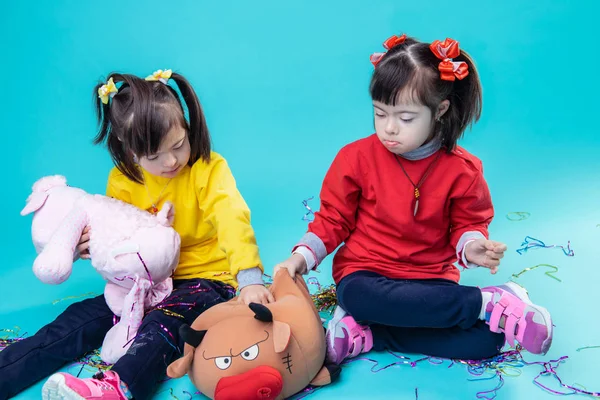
x=212 y=218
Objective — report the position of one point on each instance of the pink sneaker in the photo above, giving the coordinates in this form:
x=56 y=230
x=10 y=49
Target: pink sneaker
x=63 y=386
x=529 y=324
x=346 y=338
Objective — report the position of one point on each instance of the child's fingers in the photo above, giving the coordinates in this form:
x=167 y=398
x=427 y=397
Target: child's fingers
x=287 y=267
x=497 y=247
x=500 y=247
x=84 y=238
x=492 y=263
x=494 y=255
x=83 y=248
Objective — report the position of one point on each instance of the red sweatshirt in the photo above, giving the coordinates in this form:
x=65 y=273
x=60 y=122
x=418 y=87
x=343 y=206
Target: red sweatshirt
x=367 y=203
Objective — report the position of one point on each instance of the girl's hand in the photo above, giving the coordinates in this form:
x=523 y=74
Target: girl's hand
x=485 y=253
x=83 y=248
x=255 y=294
x=296 y=264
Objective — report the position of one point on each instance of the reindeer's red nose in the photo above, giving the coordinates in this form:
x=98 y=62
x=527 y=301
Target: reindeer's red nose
x=260 y=383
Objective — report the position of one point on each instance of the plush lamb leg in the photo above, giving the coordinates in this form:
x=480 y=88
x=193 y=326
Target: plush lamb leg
x=115 y=297
x=120 y=337
x=54 y=264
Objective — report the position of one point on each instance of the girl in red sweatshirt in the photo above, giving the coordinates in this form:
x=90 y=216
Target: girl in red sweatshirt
x=406 y=204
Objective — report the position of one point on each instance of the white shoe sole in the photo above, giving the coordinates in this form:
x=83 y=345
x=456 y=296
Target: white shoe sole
x=333 y=331
x=521 y=293
x=56 y=388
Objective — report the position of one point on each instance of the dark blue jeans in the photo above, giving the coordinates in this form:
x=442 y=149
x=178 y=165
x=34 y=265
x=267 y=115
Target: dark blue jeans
x=435 y=317
x=82 y=326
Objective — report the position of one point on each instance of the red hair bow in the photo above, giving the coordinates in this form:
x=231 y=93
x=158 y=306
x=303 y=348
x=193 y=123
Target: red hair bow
x=446 y=51
x=388 y=44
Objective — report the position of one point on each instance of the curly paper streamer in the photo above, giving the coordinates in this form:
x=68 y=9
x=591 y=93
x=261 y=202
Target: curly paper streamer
x=92 y=362
x=548 y=273
x=81 y=296
x=493 y=392
x=530 y=242
x=588 y=347
x=309 y=213
x=550 y=370
x=518 y=215
x=12 y=336
x=325 y=299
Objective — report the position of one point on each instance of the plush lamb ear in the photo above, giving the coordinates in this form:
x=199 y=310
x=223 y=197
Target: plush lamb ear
x=126 y=247
x=39 y=192
x=35 y=201
x=48 y=182
x=167 y=214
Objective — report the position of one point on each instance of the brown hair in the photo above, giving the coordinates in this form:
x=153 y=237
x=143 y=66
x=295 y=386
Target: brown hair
x=411 y=68
x=139 y=116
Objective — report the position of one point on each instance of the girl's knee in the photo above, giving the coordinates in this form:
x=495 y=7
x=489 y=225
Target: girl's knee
x=491 y=345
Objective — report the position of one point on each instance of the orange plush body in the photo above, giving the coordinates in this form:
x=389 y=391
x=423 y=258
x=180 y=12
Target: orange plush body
x=273 y=351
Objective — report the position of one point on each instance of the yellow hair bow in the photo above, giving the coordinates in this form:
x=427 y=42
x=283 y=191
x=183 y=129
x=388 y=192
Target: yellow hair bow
x=160 y=75
x=107 y=90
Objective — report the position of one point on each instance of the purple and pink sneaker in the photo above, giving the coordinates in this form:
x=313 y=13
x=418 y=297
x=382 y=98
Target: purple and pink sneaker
x=512 y=312
x=105 y=386
x=346 y=338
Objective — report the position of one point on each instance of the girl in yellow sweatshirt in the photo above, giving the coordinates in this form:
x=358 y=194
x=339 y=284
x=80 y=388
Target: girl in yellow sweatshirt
x=159 y=155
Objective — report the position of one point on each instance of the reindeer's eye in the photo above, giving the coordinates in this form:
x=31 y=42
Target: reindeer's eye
x=250 y=353
x=223 y=362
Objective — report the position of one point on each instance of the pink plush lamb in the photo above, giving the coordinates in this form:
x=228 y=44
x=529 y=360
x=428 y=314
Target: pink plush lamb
x=135 y=251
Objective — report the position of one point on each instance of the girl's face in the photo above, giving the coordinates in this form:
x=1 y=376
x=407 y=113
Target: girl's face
x=405 y=126
x=173 y=154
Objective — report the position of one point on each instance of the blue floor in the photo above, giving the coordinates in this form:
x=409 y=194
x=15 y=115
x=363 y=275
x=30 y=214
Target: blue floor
x=284 y=86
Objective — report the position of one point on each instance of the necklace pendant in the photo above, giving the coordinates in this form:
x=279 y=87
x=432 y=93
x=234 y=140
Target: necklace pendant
x=416 y=207
x=153 y=209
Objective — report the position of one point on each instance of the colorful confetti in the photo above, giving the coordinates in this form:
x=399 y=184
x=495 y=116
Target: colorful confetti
x=172 y=393
x=530 y=243
x=81 y=296
x=306 y=392
x=588 y=347
x=548 y=273
x=309 y=213
x=517 y=215
x=493 y=392
x=507 y=364
x=550 y=370
x=146 y=268
x=92 y=362
x=10 y=336
x=325 y=299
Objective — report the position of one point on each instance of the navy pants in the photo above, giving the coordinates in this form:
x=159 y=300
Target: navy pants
x=82 y=326
x=435 y=317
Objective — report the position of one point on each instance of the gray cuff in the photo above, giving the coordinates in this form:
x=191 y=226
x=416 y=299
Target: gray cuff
x=315 y=244
x=460 y=247
x=251 y=276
